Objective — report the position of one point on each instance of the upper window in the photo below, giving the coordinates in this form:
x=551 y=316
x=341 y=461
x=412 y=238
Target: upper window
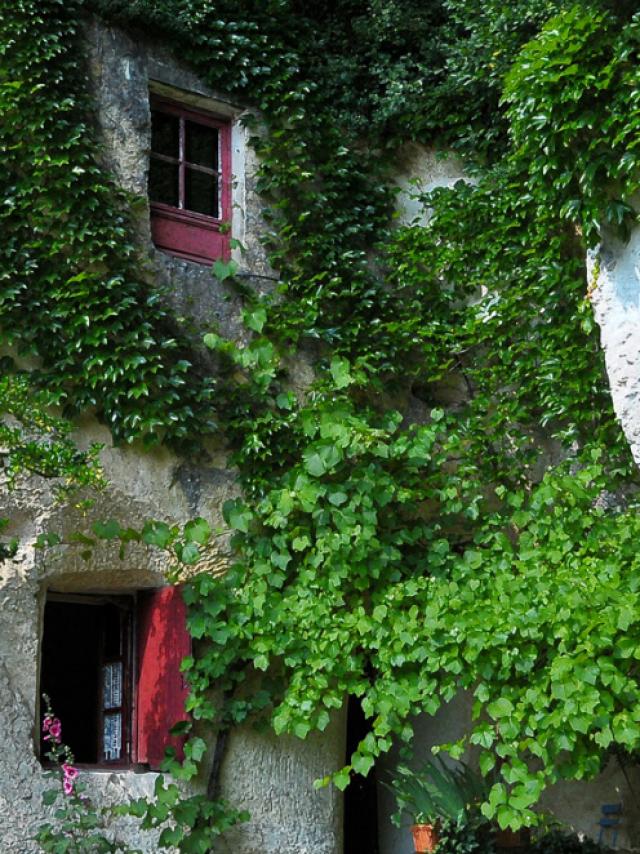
x=190 y=182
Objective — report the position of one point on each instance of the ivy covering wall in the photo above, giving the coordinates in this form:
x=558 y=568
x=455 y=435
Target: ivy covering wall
x=399 y=562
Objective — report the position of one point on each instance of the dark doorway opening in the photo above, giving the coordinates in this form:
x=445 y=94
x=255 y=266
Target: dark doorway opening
x=361 y=796
x=84 y=653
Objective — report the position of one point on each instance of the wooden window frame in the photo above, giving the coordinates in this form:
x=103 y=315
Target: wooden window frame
x=126 y=708
x=188 y=234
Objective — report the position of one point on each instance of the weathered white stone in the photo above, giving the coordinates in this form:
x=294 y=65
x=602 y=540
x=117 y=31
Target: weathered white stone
x=273 y=778
x=614 y=288
x=419 y=170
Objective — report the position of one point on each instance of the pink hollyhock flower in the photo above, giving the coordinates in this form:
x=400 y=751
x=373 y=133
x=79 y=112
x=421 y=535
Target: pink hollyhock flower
x=46 y=723
x=70 y=772
x=55 y=729
x=67 y=786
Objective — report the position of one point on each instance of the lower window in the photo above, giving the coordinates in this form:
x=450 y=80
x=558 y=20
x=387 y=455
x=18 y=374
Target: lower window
x=111 y=667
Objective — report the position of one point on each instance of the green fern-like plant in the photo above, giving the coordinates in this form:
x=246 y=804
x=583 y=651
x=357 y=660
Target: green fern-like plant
x=436 y=792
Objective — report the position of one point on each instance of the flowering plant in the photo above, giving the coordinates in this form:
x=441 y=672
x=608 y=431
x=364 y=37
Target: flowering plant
x=79 y=825
x=59 y=752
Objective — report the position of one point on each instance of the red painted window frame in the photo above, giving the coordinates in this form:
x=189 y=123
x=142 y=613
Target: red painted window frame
x=188 y=234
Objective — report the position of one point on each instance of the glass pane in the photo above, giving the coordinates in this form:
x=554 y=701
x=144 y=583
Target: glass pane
x=112 y=685
x=165 y=134
x=201 y=192
x=201 y=145
x=163 y=182
x=112 y=736
x=112 y=632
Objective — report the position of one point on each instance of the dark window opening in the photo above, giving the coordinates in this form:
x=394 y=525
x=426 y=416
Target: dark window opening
x=163 y=182
x=165 y=134
x=361 y=796
x=184 y=155
x=85 y=670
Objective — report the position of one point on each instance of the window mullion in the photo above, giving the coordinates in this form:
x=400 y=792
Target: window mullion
x=181 y=168
x=220 y=178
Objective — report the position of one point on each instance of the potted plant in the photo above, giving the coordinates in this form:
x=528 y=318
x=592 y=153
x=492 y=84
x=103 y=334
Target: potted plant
x=435 y=796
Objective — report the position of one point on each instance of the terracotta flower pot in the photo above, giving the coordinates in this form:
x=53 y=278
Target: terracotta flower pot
x=510 y=839
x=425 y=837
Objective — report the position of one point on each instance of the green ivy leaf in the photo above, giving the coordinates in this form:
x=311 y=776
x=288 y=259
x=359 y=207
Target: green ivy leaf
x=157 y=534
x=341 y=372
x=362 y=764
x=256 y=318
x=500 y=708
x=342 y=778
x=197 y=531
x=237 y=515
x=49 y=797
x=109 y=530
x=224 y=270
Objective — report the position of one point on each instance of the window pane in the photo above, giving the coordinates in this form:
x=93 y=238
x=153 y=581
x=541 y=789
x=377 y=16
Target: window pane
x=112 y=632
x=201 y=145
x=163 y=182
x=112 y=685
x=112 y=737
x=201 y=192
x=165 y=134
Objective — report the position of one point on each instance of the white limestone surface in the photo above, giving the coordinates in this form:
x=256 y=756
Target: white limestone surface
x=420 y=169
x=614 y=289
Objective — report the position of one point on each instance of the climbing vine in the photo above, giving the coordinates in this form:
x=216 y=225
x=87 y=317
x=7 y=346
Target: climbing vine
x=401 y=534
x=72 y=296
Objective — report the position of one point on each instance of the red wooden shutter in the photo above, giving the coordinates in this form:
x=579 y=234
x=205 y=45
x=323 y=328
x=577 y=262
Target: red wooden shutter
x=163 y=641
